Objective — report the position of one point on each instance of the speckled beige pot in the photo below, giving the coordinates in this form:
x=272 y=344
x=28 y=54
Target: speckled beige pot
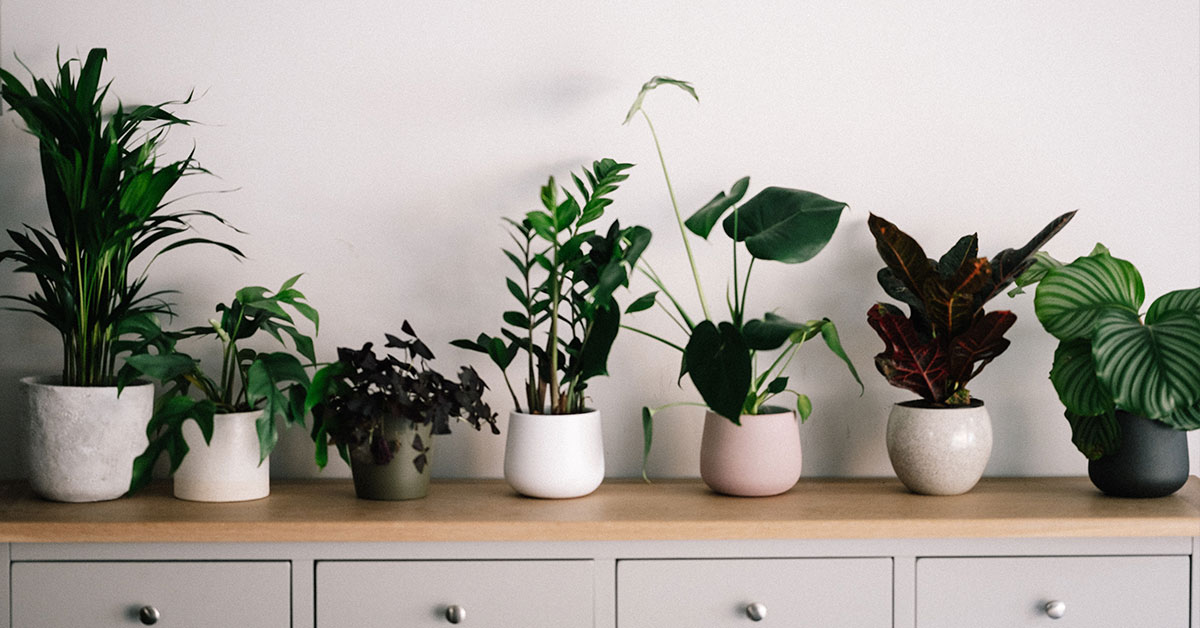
x=758 y=458
x=83 y=439
x=939 y=451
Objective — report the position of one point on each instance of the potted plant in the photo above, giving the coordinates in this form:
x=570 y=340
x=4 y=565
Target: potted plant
x=105 y=191
x=219 y=440
x=940 y=444
x=566 y=323
x=1130 y=382
x=749 y=447
x=381 y=414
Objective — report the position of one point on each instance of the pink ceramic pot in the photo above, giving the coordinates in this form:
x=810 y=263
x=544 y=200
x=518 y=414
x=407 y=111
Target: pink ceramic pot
x=758 y=458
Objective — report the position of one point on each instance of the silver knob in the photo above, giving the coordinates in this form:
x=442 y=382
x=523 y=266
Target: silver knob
x=455 y=614
x=1056 y=609
x=756 y=611
x=148 y=615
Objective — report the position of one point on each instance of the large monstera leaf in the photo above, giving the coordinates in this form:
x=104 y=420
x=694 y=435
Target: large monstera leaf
x=1153 y=370
x=1070 y=298
x=908 y=360
x=718 y=362
x=785 y=225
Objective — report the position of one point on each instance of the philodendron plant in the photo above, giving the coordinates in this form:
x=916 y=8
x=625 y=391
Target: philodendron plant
x=1111 y=356
x=567 y=272
x=720 y=357
x=947 y=338
x=275 y=382
x=105 y=192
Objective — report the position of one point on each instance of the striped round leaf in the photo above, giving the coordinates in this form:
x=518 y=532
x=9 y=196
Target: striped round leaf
x=1074 y=378
x=1179 y=300
x=1070 y=298
x=1095 y=436
x=1185 y=419
x=1152 y=370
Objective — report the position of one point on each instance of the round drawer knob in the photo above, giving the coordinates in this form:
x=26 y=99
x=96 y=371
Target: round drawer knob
x=148 y=615
x=756 y=611
x=1056 y=609
x=455 y=614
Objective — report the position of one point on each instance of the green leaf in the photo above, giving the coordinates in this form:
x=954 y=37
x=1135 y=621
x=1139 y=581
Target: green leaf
x=1184 y=418
x=964 y=252
x=1152 y=370
x=1043 y=263
x=647 y=438
x=1177 y=301
x=516 y=319
x=834 y=342
x=1095 y=436
x=1075 y=380
x=777 y=385
x=593 y=357
x=644 y=302
x=705 y=218
x=543 y=225
x=786 y=225
x=718 y=362
x=773 y=331
x=803 y=407
x=650 y=85
x=515 y=289
x=1070 y=299
x=163 y=367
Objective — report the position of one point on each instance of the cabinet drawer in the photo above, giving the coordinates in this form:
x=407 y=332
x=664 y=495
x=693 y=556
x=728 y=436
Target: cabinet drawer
x=831 y=593
x=528 y=594
x=102 y=594
x=1094 y=592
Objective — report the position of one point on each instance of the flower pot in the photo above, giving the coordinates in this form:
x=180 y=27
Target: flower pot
x=554 y=456
x=1152 y=460
x=227 y=468
x=939 y=451
x=758 y=458
x=399 y=478
x=83 y=439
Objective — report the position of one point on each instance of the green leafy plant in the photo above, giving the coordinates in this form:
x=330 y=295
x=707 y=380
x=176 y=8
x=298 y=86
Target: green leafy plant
x=351 y=398
x=566 y=276
x=947 y=338
x=1111 y=356
x=105 y=194
x=780 y=224
x=275 y=382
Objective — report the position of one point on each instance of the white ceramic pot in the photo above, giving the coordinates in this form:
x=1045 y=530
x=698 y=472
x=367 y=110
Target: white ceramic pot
x=82 y=440
x=939 y=451
x=226 y=469
x=758 y=458
x=554 y=456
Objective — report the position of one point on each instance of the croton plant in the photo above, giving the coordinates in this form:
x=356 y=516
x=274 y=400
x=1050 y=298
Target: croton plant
x=947 y=338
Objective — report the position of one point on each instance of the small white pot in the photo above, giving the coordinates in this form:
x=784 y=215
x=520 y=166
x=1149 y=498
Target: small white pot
x=227 y=468
x=939 y=451
x=83 y=439
x=554 y=456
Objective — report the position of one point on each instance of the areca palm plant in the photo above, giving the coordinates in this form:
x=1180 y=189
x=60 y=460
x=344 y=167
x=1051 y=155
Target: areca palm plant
x=106 y=196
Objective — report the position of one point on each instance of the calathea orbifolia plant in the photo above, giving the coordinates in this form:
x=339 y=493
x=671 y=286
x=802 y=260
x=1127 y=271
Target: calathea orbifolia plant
x=721 y=357
x=1112 y=357
x=275 y=382
x=566 y=275
x=946 y=339
x=352 y=399
x=105 y=192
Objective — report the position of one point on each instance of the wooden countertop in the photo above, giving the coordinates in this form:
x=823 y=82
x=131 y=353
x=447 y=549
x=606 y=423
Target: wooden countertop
x=488 y=510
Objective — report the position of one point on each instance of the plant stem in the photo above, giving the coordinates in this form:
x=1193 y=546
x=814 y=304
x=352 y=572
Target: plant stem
x=644 y=266
x=746 y=284
x=658 y=338
x=678 y=217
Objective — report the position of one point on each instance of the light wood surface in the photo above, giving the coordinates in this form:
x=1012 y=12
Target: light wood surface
x=488 y=510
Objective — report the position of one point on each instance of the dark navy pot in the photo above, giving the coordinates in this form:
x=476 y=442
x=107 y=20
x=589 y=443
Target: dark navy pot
x=1151 y=462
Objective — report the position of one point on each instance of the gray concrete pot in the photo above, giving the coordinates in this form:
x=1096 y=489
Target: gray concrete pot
x=1152 y=460
x=83 y=439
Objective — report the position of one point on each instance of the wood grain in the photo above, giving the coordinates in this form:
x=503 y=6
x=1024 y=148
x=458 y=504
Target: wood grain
x=488 y=510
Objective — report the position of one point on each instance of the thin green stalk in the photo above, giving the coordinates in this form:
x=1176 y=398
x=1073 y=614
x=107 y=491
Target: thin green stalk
x=746 y=284
x=650 y=335
x=678 y=217
x=644 y=266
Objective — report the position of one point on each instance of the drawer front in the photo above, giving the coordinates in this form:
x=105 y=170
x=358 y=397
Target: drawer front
x=103 y=594
x=414 y=594
x=830 y=593
x=1093 y=592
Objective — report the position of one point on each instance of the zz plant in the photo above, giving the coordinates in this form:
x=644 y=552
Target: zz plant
x=275 y=382
x=567 y=272
x=1111 y=356
x=947 y=338
x=721 y=357
x=105 y=192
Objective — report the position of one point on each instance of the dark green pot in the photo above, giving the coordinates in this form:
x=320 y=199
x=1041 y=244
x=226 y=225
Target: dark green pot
x=1151 y=462
x=399 y=478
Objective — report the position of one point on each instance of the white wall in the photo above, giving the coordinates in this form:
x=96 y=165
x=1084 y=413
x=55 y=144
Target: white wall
x=375 y=145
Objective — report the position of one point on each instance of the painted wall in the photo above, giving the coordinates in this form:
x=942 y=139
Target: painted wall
x=376 y=145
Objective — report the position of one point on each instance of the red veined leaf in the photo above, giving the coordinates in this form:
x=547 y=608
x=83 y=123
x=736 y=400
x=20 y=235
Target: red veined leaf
x=908 y=361
x=980 y=344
